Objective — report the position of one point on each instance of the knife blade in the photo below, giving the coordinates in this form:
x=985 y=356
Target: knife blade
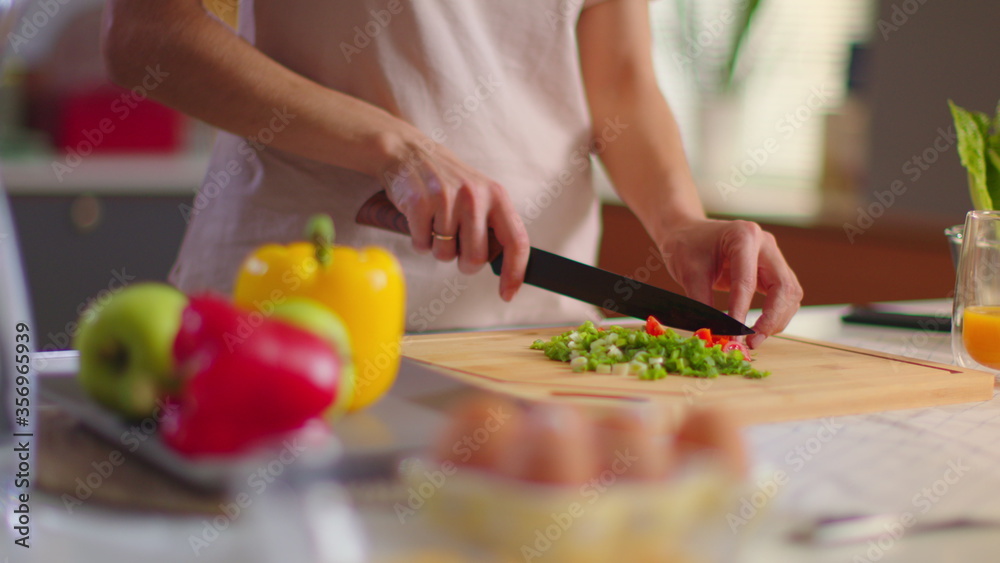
x=620 y=294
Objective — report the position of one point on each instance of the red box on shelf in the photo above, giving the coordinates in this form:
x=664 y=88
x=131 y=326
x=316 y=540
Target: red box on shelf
x=115 y=120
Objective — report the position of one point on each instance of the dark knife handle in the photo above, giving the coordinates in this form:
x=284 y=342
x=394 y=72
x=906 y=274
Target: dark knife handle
x=381 y=213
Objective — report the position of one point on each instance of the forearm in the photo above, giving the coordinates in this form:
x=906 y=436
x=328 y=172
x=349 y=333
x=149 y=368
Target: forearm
x=212 y=74
x=646 y=163
x=649 y=169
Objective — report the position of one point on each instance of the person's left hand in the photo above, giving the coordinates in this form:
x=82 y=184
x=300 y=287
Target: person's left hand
x=738 y=257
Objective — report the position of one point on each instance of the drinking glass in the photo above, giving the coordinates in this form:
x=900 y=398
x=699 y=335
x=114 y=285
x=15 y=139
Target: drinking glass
x=975 y=332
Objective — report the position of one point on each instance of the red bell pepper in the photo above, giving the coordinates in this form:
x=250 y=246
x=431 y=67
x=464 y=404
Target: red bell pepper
x=245 y=378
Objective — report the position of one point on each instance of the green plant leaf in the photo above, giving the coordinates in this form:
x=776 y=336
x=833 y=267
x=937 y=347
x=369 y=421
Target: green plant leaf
x=740 y=36
x=972 y=152
x=980 y=197
x=994 y=139
x=985 y=123
x=993 y=175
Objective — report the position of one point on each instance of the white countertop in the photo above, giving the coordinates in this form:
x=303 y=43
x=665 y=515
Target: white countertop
x=145 y=175
x=890 y=462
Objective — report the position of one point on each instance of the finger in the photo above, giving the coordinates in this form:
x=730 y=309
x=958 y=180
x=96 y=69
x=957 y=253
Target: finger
x=407 y=193
x=472 y=232
x=783 y=295
x=511 y=234
x=444 y=226
x=444 y=241
x=741 y=250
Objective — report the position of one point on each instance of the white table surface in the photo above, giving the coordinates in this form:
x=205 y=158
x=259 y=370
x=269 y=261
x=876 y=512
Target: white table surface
x=891 y=462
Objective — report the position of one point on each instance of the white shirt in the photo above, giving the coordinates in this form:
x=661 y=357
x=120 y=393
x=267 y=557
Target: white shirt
x=496 y=81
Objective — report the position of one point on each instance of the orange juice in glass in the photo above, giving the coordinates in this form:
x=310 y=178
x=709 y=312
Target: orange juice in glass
x=981 y=335
x=976 y=315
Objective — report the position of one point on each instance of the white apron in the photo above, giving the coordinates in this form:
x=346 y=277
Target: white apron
x=498 y=81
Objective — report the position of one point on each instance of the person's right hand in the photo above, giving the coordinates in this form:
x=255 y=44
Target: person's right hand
x=440 y=194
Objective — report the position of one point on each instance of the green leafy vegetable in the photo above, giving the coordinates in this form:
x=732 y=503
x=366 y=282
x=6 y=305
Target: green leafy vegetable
x=979 y=150
x=622 y=351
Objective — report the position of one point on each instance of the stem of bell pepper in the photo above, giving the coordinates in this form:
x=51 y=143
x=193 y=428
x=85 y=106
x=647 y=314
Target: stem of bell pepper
x=320 y=231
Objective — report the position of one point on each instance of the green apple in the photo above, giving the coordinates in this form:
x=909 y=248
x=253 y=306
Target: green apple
x=126 y=347
x=315 y=317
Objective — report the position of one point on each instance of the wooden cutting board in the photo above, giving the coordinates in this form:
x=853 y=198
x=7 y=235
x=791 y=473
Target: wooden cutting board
x=809 y=379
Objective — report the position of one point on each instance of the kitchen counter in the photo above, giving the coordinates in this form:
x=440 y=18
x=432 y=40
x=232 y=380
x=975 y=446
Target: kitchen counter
x=131 y=175
x=928 y=463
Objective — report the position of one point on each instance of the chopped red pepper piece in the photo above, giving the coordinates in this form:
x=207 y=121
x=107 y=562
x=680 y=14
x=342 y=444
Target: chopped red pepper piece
x=704 y=334
x=654 y=327
x=710 y=339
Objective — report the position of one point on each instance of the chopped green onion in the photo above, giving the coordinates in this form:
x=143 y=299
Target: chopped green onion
x=622 y=351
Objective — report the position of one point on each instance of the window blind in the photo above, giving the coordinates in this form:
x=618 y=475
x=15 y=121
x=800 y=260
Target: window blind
x=792 y=74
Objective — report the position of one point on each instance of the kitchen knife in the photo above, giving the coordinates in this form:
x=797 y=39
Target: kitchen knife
x=619 y=294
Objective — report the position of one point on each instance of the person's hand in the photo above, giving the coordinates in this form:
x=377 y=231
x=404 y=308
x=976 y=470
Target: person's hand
x=450 y=207
x=738 y=257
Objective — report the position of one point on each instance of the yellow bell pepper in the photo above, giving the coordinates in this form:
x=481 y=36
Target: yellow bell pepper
x=365 y=287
